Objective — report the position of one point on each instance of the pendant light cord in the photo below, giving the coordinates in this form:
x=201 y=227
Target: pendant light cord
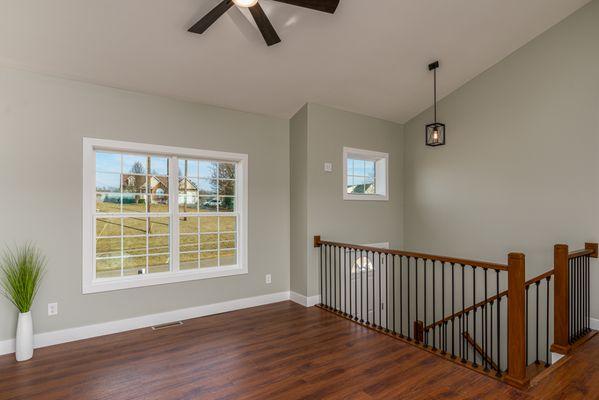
x=435 y=91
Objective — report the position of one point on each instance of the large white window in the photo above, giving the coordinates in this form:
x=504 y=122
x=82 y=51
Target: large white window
x=158 y=214
x=365 y=175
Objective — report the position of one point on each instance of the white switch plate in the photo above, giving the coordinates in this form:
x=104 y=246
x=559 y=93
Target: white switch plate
x=52 y=308
x=328 y=167
x=268 y=279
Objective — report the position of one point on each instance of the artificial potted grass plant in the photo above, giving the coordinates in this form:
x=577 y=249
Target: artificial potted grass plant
x=21 y=271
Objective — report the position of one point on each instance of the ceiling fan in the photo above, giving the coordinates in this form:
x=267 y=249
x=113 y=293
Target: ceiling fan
x=266 y=28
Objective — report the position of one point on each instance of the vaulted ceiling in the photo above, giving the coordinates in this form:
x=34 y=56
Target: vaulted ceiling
x=370 y=57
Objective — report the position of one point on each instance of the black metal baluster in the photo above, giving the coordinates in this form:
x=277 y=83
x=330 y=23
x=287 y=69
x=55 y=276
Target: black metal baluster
x=400 y=297
x=452 y=311
x=491 y=330
x=444 y=329
x=342 y=262
x=575 y=298
x=416 y=291
x=577 y=290
x=570 y=301
x=393 y=291
x=474 y=364
x=380 y=293
x=527 y=312
x=320 y=271
x=584 y=295
x=462 y=318
x=409 y=309
x=361 y=287
x=349 y=272
x=335 y=265
x=588 y=288
x=578 y=298
x=387 y=293
x=498 y=374
x=434 y=306
x=485 y=328
x=328 y=275
x=367 y=278
x=424 y=261
x=347 y=258
x=355 y=262
x=373 y=323
x=339 y=267
x=547 y=326
x=581 y=296
x=537 y=320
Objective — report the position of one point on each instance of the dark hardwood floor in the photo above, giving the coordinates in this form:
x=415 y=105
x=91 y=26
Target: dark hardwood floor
x=278 y=351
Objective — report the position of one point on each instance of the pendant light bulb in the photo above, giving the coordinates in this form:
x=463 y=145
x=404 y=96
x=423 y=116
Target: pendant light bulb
x=245 y=3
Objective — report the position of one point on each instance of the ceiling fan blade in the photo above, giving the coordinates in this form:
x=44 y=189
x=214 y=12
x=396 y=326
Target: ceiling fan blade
x=328 y=6
x=211 y=17
x=266 y=28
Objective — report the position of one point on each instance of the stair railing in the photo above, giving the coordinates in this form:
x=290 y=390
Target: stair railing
x=450 y=306
x=402 y=293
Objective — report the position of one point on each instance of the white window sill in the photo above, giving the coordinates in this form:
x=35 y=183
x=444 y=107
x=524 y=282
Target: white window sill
x=134 y=281
x=365 y=197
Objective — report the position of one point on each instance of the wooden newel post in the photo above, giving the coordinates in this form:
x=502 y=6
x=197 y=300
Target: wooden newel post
x=516 y=346
x=561 y=310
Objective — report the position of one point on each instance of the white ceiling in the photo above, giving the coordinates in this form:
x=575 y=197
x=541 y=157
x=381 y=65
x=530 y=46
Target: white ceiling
x=370 y=57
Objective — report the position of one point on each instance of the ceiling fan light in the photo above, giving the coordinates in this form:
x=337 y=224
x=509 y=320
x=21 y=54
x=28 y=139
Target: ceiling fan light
x=245 y=3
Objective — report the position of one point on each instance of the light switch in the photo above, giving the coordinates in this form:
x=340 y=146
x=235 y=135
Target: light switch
x=328 y=167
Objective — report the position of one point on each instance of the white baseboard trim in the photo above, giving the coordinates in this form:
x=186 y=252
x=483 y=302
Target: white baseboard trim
x=303 y=300
x=107 y=328
x=595 y=324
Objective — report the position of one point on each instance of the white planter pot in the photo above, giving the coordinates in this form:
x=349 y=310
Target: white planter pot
x=24 y=338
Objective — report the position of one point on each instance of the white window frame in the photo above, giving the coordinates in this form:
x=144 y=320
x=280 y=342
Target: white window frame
x=92 y=285
x=381 y=174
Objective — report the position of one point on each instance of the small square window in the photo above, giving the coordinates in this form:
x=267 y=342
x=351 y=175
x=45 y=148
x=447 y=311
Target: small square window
x=365 y=175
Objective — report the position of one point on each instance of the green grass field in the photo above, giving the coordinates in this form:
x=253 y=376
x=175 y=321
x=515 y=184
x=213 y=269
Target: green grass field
x=145 y=240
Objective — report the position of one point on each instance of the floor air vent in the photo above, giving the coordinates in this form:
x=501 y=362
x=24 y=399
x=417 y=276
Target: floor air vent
x=164 y=326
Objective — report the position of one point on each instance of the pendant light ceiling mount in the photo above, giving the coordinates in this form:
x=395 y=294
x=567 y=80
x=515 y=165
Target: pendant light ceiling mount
x=435 y=132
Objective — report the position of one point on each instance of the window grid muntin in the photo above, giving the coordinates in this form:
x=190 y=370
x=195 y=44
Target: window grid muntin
x=199 y=214
x=365 y=177
x=122 y=215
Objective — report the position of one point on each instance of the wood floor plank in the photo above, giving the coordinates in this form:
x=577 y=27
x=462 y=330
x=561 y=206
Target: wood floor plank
x=278 y=351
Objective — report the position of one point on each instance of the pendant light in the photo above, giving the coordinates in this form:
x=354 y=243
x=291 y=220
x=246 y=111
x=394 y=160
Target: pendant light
x=435 y=132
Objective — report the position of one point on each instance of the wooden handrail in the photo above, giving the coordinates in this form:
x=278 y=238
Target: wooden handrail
x=539 y=278
x=580 y=253
x=443 y=259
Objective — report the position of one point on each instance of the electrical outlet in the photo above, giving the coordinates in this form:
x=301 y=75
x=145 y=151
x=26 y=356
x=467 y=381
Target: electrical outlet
x=52 y=308
x=268 y=279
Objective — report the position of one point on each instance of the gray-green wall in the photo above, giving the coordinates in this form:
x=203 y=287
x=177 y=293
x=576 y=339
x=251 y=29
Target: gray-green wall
x=520 y=168
x=298 y=157
x=42 y=122
x=318 y=135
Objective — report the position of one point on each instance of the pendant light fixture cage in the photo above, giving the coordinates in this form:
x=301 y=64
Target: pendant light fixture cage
x=435 y=132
